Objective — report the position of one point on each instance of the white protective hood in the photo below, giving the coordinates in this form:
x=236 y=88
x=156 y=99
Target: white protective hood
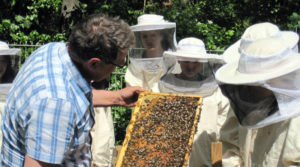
x=153 y=35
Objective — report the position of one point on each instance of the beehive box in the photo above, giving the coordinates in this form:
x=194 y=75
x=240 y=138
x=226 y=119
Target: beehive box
x=161 y=130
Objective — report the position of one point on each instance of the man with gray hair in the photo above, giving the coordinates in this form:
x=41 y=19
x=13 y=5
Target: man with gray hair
x=49 y=110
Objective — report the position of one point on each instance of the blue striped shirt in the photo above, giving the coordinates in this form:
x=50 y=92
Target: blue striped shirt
x=48 y=113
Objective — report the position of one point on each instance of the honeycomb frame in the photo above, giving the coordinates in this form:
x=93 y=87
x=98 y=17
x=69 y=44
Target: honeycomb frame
x=146 y=105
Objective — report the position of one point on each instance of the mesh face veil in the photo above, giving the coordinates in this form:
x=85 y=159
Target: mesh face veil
x=196 y=69
x=279 y=104
x=254 y=109
x=251 y=104
x=287 y=91
x=194 y=78
x=150 y=65
x=151 y=41
x=147 y=65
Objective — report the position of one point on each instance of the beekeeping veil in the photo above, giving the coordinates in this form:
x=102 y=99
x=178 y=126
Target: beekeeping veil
x=153 y=35
x=197 y=68
x=263 y=87
x=9 y=61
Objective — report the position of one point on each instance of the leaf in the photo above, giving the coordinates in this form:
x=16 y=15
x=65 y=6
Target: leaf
x=27 y=24
x=13 y=3
x=14 y=27
x=19 y=18
x=230 y=32
x=6 y=22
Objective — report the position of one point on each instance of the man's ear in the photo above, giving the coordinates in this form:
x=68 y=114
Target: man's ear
x=94 y=62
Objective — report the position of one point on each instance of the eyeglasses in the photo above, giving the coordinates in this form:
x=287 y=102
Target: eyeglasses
x=112 y=63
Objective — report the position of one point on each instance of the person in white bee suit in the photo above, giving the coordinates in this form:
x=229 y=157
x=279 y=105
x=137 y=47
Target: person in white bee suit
x=9 y=61
x=153 y=35
x=196 y=77
x=239 y=140
x=264 y=92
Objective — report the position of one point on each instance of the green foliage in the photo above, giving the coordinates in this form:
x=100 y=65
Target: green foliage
x=214 y=35
x=31 y=22
x=193 y=20
x=121 y=117
x=26 y=51
x=294 y=23
x=117 y=79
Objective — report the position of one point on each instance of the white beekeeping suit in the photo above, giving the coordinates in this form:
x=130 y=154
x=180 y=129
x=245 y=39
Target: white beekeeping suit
x=264 y=92
x=9 y=61
x=153 y=35
x=196 y=77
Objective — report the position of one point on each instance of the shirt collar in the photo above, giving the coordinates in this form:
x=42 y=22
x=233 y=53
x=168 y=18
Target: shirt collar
x=73 y=71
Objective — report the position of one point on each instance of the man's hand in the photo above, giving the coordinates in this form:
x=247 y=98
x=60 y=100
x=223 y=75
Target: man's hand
x=126 y=97
x=129 y=95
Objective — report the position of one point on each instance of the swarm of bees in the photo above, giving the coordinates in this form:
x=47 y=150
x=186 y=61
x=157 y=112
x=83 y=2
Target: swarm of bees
x=161 y=130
